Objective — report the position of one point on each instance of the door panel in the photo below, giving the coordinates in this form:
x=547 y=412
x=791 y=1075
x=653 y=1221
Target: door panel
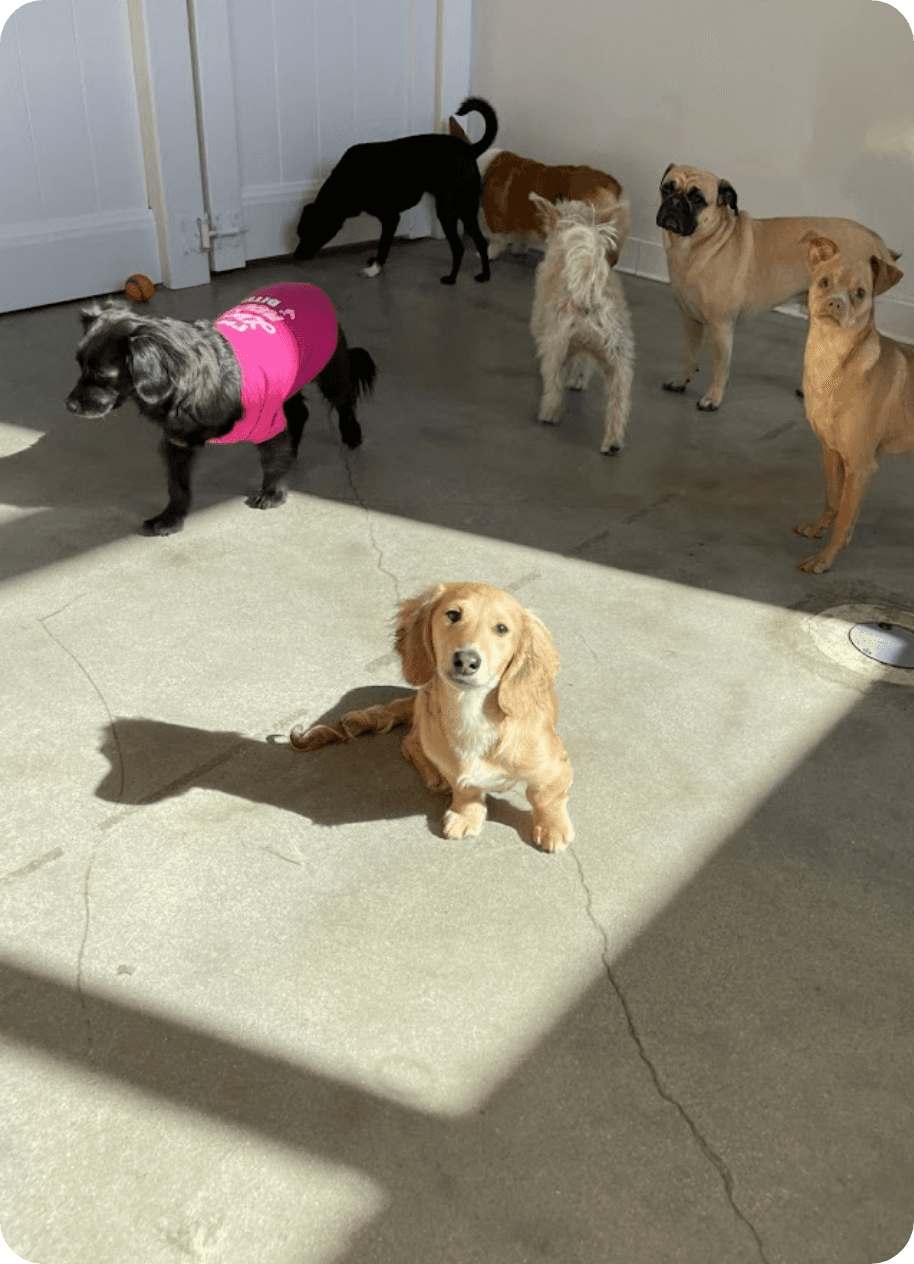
x=74 y=217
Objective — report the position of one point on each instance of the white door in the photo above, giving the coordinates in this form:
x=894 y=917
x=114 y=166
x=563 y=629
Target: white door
x=74 y=215
x=284 y=89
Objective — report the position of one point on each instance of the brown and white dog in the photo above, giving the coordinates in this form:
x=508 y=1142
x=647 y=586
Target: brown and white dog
x=508 y=180
x=485 y=714
x=724 y=265
x=858 y=387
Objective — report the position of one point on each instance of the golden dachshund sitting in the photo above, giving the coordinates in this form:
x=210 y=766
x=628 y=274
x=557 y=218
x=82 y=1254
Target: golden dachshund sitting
x=484 y=717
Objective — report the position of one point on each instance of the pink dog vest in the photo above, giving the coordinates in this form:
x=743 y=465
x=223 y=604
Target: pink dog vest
x=282 y=337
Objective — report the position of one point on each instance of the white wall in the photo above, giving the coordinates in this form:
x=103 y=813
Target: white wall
x=805 y=106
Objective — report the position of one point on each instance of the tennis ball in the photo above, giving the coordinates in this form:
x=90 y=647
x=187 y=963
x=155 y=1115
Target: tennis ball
x=139 y=288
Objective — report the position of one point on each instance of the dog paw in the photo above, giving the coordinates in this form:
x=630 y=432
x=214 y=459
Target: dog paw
x=481 y=276
x=678 y=388
x=372 y=270
x=815 y=565
x=352 y=437
x=162 y=524
x=612 y=450
x=552 y=838
x=707 y=405
x=463 y=824
x=812 y=530
x=266 y=500
x=448 y=280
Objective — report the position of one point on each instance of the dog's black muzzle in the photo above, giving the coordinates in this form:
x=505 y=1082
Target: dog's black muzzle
x=93 y=409
x=677 y=215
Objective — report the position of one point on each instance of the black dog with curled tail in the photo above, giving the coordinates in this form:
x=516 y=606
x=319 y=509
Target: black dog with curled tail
x=386 y=178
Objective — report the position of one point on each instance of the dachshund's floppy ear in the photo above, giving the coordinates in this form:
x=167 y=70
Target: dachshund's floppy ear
x=413 y=640
x=152 y=369
x=726 y=195
x=526 y=686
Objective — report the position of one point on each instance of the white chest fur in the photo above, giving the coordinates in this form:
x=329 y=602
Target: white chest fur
x=460 y=733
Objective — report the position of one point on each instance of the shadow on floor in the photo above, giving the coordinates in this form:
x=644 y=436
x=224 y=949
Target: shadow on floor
x=734 y=1086
x=359 y=781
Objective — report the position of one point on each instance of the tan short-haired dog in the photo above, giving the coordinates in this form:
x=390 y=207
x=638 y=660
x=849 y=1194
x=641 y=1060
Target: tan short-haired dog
x=724 y=265
x=508 y=179
x=484 y=717
x=858 y=386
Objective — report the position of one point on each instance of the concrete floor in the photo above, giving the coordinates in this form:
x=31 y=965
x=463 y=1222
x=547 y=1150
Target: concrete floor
x=256 y=1008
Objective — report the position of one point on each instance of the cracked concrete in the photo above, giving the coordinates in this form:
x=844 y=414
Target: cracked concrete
x=255 y=1007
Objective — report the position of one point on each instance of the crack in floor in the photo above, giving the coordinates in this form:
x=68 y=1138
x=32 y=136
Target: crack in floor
x=87 y=910
x=703 y=1144
x=371 y=533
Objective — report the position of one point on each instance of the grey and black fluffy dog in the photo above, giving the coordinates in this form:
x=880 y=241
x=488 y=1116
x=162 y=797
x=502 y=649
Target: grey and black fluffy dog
x=386 y=178
x=184 y=376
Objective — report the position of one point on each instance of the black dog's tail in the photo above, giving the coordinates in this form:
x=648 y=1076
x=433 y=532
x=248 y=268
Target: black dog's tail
x=363 y=370
x=491 y=118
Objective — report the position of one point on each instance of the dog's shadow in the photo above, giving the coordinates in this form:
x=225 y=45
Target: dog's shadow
x=347 y=783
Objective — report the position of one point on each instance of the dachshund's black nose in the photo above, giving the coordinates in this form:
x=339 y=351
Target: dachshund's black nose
x=466 y=662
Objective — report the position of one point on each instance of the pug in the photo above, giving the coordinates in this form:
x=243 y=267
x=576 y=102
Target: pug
x=724 y=265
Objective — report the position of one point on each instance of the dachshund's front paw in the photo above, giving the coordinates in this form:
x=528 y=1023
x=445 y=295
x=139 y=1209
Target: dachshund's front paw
x=467 y=822
x=552 y=834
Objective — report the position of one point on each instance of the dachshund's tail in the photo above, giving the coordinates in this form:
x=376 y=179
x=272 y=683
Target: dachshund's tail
x=378 y=719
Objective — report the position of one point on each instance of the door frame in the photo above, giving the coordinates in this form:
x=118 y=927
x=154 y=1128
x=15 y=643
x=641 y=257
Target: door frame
x=184 y=75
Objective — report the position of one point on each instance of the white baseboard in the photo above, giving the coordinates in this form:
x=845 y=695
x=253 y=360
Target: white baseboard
x=55 y=261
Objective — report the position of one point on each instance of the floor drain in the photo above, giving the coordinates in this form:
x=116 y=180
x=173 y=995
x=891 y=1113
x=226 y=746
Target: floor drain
x=887 y=643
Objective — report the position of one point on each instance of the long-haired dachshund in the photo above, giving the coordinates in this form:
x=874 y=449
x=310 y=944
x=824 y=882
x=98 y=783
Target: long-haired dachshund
x=236 y=380
x=485 y=714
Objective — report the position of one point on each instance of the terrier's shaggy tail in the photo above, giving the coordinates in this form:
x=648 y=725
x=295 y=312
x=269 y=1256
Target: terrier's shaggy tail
x=587 y=247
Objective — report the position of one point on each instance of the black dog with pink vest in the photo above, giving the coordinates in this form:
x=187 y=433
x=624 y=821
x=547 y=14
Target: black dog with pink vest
x=238 y=379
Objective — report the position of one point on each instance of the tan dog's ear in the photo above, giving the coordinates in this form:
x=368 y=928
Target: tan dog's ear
x=818 y=250
x=669 y=168
x=456 y=130
x=726 y=195
x=526 y=686
x=885 y=275
x=413 y=639
x=547 y=211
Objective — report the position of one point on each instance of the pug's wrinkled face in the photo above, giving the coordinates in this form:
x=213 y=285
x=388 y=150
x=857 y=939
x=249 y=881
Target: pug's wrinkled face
x=692 y=201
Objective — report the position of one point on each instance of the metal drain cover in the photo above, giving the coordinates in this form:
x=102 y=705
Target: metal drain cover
x=887 y=643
